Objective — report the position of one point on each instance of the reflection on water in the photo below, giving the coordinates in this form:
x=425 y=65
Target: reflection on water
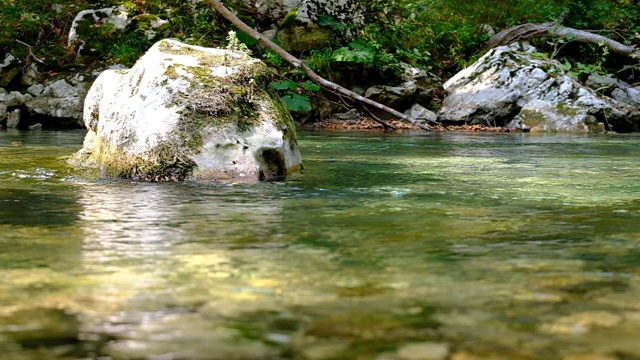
x=389 y=246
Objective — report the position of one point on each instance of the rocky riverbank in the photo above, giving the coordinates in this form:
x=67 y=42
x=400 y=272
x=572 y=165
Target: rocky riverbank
x=509 y=88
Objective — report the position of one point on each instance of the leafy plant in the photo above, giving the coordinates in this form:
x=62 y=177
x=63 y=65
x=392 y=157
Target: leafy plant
x=323 y=62
x=293 y=94
x=331 y=22
x=580 y=71
x=358 y=52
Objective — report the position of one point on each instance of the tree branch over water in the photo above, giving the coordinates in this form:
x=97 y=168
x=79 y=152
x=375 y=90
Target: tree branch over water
x=264 y=41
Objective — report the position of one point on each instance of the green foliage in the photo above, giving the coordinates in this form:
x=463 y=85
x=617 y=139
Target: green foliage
x=297 y=102
x=272 y=58
x=293 y=94
x=45 y=25
x=323 y=62
x=331 y=22
x=358 y=52
x=284 y=85
x=581 y=71
x=309 y=86
x=289 y=20
x=126 y=49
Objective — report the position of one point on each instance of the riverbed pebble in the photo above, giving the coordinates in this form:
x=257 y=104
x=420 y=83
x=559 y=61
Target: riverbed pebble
x=582 y=322
x=424 y=351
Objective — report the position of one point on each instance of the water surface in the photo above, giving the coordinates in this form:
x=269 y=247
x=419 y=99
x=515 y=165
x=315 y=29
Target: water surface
x=387 y=246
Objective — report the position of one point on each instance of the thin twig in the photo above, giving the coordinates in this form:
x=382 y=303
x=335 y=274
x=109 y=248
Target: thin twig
x=31 y=54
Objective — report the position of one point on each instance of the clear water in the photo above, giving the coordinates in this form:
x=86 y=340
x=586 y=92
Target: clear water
x=388 y=246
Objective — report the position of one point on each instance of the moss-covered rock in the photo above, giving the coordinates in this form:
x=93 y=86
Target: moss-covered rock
x=188 y=112
x=547 y=116
x=304 y=37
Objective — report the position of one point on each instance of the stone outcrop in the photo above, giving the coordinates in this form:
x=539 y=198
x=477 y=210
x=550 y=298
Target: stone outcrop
x=515 y=85
x=416 y=87
x=188 y=112
x=60 y=103
x=57 y=105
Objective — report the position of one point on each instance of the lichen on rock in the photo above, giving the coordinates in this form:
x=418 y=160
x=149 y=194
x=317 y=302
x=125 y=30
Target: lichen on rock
x=188 y=112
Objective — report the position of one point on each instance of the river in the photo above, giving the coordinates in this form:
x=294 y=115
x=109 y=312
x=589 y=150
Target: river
x=388 y=246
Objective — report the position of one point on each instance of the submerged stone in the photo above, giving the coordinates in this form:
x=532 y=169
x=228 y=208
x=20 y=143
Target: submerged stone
x=188 y=112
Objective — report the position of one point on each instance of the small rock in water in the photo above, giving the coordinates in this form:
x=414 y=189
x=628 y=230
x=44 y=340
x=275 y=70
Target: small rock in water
x=424 y=351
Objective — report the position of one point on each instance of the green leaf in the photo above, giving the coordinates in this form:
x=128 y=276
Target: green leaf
x=309 y=85
x=284 y=85
x=357 y=52
x=297 y=102
x=326 y=20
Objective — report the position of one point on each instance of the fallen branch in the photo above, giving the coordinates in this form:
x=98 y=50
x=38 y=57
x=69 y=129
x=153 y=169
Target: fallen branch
x=264 y=41
x=552 y=29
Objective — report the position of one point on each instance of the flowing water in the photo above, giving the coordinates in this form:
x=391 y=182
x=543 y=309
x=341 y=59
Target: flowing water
x=388 y=246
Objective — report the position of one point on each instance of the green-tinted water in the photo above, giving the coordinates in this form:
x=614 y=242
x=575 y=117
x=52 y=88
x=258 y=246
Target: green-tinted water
x=388 y=246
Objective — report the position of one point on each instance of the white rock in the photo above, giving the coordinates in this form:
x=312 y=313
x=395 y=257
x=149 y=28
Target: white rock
x=68 y=110
x=601 y=82
x=13 y=119
x=420 y=113
x=633 y=94
x=189 y=112
x=546 y=116
x=14 y=98
x=511 y=78
x=60 y=89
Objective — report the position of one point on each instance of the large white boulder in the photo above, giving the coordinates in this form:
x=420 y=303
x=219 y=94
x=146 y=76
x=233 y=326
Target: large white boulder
x=189 y=112
x=515 y=85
